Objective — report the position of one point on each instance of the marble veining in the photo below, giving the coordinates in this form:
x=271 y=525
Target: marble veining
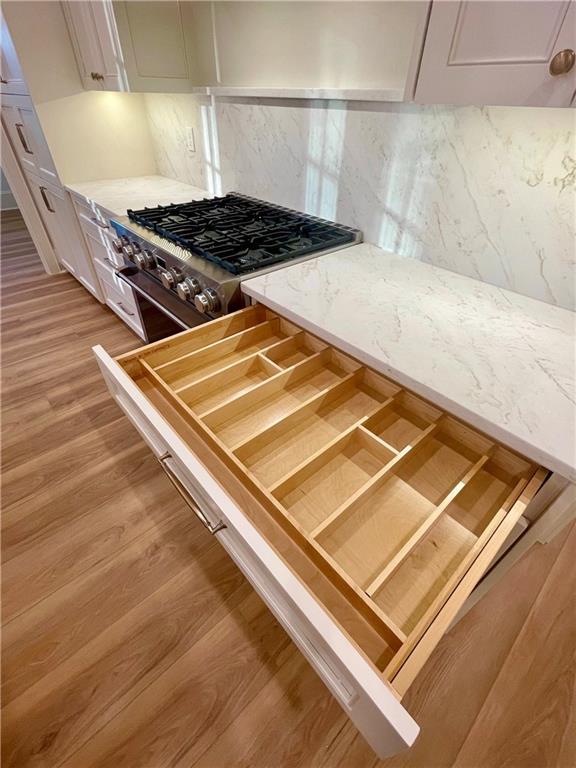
x=117 y=195
x=504 y=362
x=485 y=192
x=169 y=115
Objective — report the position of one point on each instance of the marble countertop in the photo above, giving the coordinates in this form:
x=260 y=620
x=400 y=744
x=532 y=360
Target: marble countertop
x=117 y=195
x=499 y=360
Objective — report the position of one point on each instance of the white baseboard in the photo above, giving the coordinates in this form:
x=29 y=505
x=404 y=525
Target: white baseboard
x=7 y=201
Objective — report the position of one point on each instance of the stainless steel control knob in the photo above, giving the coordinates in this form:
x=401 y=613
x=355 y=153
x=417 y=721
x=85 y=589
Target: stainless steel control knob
x=128 y=250
x=145 y=260
x=168 y=279
x=188 y=288
x=117 y=244
x=207 y=301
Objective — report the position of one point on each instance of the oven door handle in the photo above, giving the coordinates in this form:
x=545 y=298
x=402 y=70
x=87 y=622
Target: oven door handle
x=149 y=298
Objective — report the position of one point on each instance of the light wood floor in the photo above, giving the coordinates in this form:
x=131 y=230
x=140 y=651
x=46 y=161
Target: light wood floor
x=130 y=639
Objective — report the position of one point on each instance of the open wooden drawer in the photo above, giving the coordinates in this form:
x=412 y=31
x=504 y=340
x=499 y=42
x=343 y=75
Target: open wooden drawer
x=363 y=515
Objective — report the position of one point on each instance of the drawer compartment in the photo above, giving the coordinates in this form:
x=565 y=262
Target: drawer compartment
x=390 y=500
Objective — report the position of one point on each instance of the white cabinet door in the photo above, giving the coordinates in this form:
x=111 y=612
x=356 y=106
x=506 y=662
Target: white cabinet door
x=51 y=204
x=95 y=40
x=142 y=46
x=343 y=45
x=153 y=45
x=55 y=209
x=497 y=52
x=27 y=138
x=11 y=77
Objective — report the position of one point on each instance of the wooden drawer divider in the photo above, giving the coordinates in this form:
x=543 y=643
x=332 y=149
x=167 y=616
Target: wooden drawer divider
x=308 y=466
x=421 y=532
x=265 y=389
x=287 y=420
x=402 y=669
x=253 y=339
x=375 y=448
x=181 y=344
x=229 y=369
x=373 y=484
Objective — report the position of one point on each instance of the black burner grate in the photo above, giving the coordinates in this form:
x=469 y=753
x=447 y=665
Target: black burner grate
x=241 y=234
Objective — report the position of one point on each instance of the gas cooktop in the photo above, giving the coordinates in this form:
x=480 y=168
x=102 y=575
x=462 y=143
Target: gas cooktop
x=241 y=234
x=202 y=250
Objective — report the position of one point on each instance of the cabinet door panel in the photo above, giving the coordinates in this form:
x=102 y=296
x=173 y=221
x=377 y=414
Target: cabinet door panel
x=93 y=33
x=11 y=77
x=51 y=204
x=159 y=44
x=158 y=39
x=55 y=209
x=493 y=52
x=27 y=138
x=315 y=44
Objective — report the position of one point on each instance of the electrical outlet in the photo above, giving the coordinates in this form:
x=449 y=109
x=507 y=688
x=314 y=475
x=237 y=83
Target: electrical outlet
x=190 y=141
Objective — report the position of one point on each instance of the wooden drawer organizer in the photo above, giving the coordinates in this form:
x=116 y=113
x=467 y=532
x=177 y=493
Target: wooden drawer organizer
x=392 y=498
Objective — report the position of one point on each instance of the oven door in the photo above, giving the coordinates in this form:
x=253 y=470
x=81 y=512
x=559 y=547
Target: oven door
x=163 y=314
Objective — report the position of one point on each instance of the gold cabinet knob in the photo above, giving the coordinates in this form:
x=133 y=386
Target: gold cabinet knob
x=562 y=62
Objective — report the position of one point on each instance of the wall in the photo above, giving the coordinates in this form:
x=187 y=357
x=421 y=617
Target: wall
x=168 y=117
x=91 y=135
x=486 y=192
x=7 y=200
x=98 y=136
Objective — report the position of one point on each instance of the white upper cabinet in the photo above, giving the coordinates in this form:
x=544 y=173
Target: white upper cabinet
x=93 y=32
x=511 y=52
x=345 y=46
x=142 y=46
x=11 y=77
x=517 y=52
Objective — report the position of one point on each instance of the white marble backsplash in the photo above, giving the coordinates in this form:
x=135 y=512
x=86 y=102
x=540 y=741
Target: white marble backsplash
x=168 y=117
x=486 y=192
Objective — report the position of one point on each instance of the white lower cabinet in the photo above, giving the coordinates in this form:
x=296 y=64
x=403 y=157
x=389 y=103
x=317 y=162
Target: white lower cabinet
x=26 y=136
x=98 y=235
x=362 y=515
x=55 y=209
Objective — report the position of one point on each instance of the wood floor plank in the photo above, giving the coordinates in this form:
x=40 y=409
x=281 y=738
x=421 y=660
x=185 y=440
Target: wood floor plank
x=201 y=693
x=458 y=677
x=529 y=708
x=59 y=463
x=50 y=631
x=54 y=507
x=81 y=544
x=311 y=719
x=81 y=695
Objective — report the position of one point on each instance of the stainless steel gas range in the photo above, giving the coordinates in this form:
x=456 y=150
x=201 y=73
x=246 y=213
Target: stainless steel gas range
x=187 y=260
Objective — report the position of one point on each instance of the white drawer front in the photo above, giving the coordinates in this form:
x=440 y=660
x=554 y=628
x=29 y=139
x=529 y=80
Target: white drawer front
x=365 y=696
x=330 y=669
x=89 y=209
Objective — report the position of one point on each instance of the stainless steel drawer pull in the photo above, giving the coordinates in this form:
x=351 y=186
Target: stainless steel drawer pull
x=20 y=129
x=99 y=223
x=123 y=308
x=211 y=527
x=44 y=193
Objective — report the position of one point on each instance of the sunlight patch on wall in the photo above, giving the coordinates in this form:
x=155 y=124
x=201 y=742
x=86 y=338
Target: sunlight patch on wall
x=326 y=132
x=211 y=146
